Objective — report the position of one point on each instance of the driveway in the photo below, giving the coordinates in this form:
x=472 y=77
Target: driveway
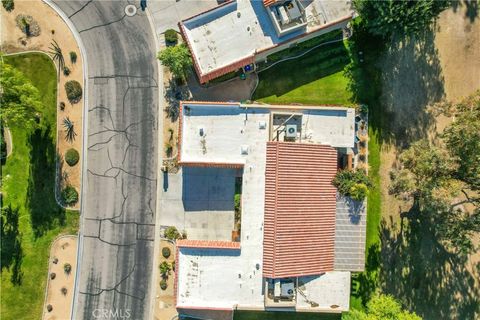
x=200 y=201
x=119 y=191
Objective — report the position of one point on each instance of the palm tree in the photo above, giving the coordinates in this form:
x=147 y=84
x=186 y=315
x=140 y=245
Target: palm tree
x=57 y=56
x=69 y=129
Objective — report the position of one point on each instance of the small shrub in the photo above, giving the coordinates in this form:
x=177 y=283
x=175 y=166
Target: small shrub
x=358 y=191
x=172 y=233
x=28 y=26
x=171 y=36
x=73 y=56
x=53 y=275
x=173 y=265
x=69 y=195
x=53 y=31
x=55 y=260
x=49 y=308
x=163 y=284
x=66 y=71
x=62 y=105
x=67 y=267
x=72 y=157
x=74 y=91
x=9 y=5
x=168 y=149
x=64 y=291
x=166 y=252
x=165 y=269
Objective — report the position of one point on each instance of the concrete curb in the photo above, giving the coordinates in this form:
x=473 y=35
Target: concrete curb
x=156 y=246
x=83 y=53
x=48 y=267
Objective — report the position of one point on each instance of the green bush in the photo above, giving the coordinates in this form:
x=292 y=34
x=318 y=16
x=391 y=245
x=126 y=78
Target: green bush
x=172 y=233
x=74 y=91
x=166 y=252
x=73 y=56
x=171 y=36
x=352 y=183
x=163 y=284
x=9 y=5
x=72 y=157
x=69 y=195
x=66 y=71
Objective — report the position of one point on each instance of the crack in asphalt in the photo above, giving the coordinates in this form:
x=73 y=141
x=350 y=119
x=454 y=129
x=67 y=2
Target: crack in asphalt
x=104 y=24
x=83 y=7
x=115 y=287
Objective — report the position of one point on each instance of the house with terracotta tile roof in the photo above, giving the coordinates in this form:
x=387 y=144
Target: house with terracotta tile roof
x=240 y=33
x=298 y=239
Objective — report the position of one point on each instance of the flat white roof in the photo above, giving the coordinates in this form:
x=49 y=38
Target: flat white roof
x=239 y=29
x=221 y=278
x=229 y=128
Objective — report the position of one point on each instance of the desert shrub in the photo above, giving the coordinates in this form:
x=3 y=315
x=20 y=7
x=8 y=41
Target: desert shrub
x=165 y=269
x=64 y=291
x=74 y=91
x=171 y=36
x=166 y=252
x=69 y=195
x=61 y=105
x=173 y=265
x=66 y=71
x=28 y=26
x=353 y=183
x=163 y=284
x=49 y=308
x=72 y=157
x=73 y=56
x=53 y=275
x=9 y=5
x=172 y=233
x=67 y=267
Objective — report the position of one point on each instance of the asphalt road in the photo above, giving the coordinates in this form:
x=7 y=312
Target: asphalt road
x=118 y=213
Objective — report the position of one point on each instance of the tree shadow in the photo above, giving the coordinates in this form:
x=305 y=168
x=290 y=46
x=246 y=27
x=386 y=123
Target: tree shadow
x=173 y=95
x=44 y=210
x=11 y=248
x=471 y=10
x=418 y=270
x=397 y=80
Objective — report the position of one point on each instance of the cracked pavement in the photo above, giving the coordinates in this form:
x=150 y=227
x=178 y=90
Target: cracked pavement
x=118 y=214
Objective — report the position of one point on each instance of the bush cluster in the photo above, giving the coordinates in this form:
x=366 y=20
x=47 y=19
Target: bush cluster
x=72 y=157
x=9 y=5
x=69 y=195
x=171 y=36
x=172 y=233
x=74 y=91
x=353 y=183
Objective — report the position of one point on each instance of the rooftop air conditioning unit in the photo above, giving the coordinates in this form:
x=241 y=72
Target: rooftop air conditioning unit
x=291 y=131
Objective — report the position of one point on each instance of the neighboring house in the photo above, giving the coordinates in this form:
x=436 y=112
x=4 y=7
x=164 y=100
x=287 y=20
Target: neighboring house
x=298 y=239
x=240 y=33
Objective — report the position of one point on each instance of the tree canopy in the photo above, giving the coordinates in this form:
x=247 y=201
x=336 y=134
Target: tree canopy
x=177 y=59
x=389 y=17
x=441 y=178
x=352 y=183
x=18 y=97
x=381 y=307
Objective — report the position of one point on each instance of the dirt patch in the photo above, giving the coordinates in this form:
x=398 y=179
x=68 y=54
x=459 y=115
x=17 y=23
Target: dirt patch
x=63 y=251
x=52 y=28
x=417 y=73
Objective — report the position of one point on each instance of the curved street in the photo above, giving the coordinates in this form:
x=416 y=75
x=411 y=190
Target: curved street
x=119 y=191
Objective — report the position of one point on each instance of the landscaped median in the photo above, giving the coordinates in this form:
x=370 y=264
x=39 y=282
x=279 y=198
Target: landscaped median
x=31 y=214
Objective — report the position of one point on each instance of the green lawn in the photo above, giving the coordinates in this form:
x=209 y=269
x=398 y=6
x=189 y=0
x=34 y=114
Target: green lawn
x=316 y=78
x=262 y=315
x=28 y=185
